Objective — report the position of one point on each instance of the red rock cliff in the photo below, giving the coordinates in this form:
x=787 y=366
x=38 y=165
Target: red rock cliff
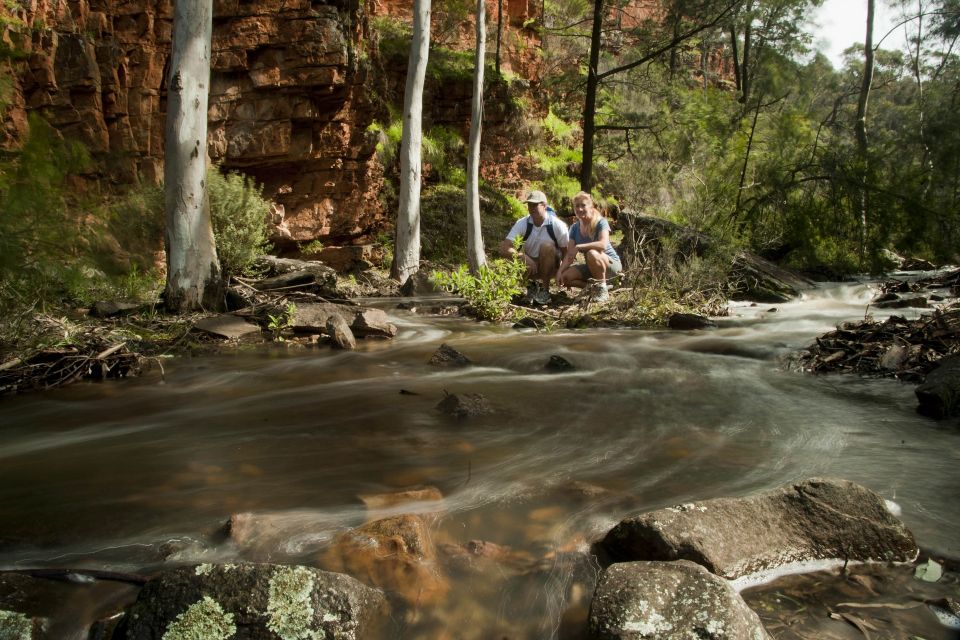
x=289 y=100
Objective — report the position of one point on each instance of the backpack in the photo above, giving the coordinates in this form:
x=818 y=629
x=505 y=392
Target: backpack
x=548 y=222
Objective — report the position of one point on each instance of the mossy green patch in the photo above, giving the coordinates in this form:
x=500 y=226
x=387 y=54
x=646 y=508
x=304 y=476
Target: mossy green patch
x=290 y=607
x=204 y=620
x=15 y=626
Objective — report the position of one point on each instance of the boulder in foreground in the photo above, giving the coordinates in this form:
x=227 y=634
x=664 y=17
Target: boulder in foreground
x=669 y=601
x=818 y=519
x=253 y=601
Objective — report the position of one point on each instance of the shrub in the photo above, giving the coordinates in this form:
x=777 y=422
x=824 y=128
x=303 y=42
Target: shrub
x=239 y=213
x=491 y=290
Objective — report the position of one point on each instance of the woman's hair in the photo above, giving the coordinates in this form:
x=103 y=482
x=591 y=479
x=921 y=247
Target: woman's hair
x=587 y=229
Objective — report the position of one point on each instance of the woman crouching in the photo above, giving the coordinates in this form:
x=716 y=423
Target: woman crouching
x=589 y=235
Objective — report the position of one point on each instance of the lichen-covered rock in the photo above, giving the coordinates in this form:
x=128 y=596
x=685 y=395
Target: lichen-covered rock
x=17 y=626
x=396 y=554
x=253 y=602
x=818 y=519
x=669 y=601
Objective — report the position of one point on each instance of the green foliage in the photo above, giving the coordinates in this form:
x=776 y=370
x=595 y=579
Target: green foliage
x=312 y=248
x=282 y=320
x=392 y=36
x=443 y=221
x=388 y=139
x=43 y=243
x=557 y=156
x=238 y=213
x=443 y=152
x=447 y=65
x=385 y=243
x=489 y=292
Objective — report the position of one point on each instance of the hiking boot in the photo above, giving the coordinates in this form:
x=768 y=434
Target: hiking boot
x=533 y=288
x=599 y=293
x=542 y=296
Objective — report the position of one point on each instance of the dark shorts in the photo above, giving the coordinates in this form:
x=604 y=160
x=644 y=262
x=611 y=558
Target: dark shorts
x=613 y=269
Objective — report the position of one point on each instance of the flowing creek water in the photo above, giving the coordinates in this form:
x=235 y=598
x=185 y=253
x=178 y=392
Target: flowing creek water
x=122 y=475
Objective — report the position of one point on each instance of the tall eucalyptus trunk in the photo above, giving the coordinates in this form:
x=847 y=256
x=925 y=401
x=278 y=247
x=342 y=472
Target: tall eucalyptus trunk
x=406 y=260
x=194 y=279
x=475 y=256
x=861 y=129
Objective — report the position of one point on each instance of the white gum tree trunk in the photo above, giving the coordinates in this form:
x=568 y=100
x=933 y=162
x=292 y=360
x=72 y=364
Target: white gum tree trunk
x=475 y=256
x=407 y=254
x=193 y=271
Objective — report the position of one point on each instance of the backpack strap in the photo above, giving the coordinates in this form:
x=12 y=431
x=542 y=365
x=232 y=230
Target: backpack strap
x=550 y=230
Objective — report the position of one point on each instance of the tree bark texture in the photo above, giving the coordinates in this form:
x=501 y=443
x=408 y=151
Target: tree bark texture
x=407 y=255
x=193 y=272
x=861 y=127
x=475 y=255
x=590 y=101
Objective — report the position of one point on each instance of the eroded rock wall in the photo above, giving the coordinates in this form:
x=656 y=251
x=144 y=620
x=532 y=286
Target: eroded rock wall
x=287 y=102
x=293 y=91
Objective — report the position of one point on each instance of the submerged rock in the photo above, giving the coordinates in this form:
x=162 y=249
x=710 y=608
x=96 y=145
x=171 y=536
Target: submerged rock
x=669 y=600
x=939 y=395
x=396 y=554
x=689 y=321
x=253 y=601
x=558 y=364
x=406 y=496
x=818 y=519
x=465 y=405
x=277 y=535
x=447 y=356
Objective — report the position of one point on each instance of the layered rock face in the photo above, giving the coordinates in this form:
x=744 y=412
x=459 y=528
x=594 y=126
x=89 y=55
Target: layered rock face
x=287 y=104
x=293 y=91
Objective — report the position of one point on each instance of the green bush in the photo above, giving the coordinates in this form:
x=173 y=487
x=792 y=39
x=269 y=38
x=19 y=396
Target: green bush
x=491 y=290
x=41 y=239
x=239 y=216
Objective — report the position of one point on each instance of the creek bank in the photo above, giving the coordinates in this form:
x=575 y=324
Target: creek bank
x=649 y=240
x=909 y=350
x=293 y=303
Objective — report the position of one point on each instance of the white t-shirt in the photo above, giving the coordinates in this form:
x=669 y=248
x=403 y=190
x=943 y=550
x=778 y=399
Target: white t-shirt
x=539 y=235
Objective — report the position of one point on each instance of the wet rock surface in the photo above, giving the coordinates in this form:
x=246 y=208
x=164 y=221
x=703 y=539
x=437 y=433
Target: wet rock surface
x=735 y=537
x=669 y=600
x=253 y=601
x=447 y=356
x=939 y=394
x=465 y=405
x=396 y=554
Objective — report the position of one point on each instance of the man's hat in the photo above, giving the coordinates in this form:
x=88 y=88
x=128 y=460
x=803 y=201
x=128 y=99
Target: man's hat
x=537 y=197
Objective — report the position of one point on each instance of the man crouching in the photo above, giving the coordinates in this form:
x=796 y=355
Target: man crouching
x=545 y=238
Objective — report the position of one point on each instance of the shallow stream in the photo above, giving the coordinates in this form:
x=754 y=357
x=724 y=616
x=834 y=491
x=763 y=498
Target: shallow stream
x=120 y=475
